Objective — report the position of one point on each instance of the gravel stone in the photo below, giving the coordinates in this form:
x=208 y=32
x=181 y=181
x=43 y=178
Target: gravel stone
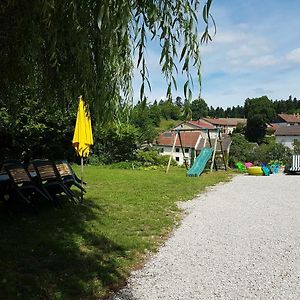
x=239 y=240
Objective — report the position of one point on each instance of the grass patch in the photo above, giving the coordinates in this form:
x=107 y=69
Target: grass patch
x=167 y=124
x=82 y=251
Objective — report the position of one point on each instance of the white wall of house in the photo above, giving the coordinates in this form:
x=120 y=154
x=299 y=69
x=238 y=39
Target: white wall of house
x=287 y=141
x=177 y=154
x=229 y=129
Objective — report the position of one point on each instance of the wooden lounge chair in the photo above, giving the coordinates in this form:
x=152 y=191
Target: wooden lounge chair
x=68 y=176
x=22 y=186
x=295 y=164
x=50 y=181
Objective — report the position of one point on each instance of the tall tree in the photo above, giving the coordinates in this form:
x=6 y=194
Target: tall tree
x=67 y=48
x=199 y=109
x=258 y=111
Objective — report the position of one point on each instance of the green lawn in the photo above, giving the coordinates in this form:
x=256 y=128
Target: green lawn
x=82 y=251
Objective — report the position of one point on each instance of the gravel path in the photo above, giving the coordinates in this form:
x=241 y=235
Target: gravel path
x=240 y=240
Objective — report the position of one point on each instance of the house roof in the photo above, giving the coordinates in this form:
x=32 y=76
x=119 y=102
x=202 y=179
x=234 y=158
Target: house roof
x=290 y=118
x=189 y=139
x=225 y=121
x=201 y=124
x=196 y=124
x=288 y=130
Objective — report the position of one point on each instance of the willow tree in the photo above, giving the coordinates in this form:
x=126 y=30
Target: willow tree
x=61 y=49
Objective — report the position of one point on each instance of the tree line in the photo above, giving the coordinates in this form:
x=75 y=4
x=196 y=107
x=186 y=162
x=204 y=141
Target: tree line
x=29 y=125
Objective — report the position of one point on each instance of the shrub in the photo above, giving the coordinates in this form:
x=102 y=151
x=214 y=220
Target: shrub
x=242 y=150
x=296 y=147
x=272 y=152
x=152 y=158
x=95 y=160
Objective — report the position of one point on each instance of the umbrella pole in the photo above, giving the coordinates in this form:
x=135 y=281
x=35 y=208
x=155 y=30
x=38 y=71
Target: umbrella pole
x=81 y=178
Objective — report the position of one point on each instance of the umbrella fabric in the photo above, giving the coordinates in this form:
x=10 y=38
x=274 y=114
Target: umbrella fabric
x=83 y=136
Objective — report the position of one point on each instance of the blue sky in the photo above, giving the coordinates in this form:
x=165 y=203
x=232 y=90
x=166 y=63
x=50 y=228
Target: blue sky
x=255 y=52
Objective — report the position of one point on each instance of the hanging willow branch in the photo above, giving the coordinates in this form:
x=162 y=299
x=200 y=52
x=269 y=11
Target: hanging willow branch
x=73 y=47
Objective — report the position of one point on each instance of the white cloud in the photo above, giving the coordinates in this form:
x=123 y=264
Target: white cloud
x=229 y=37
x=294 y=56
x=255 y=52
x=264 y=61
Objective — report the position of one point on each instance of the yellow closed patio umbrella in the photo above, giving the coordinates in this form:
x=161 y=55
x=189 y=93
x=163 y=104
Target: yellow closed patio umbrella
x=83 y=135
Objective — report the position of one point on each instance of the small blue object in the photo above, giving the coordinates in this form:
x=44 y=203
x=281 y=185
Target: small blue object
x=274 y=168
x=266 y=170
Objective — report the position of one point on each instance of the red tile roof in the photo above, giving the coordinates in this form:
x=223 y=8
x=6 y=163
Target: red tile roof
x=189 y=139
x=225 y=121
x=290 y=118
x=201 y=124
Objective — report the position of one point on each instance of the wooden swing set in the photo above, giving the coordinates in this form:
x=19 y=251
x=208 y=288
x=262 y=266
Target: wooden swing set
x=208 y=138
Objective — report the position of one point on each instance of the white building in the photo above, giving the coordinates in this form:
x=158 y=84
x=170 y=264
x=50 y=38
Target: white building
x=192 y=141
x=287 y=135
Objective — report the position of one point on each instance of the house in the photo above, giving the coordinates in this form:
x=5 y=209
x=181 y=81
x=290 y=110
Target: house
x=192 y=141
x=197 y=125
x=287 y=119
x=226 y=124
x=287 y=135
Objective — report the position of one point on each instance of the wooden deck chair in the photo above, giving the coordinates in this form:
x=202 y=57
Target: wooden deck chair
x=67 y=174
x=22 y=185
x=50 y=181
x=295 y=164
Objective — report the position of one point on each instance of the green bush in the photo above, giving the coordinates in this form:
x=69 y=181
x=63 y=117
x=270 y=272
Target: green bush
x=272 y=152
x=242 y=150
x=296 y=149
x=153 y=158
x=95 y=160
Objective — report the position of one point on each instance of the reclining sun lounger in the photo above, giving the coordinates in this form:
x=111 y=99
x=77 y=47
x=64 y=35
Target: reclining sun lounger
x=295 y=164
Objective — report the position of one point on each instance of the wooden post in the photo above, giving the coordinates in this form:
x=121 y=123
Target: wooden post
x=222 y=151
x=213 y=162
x=174 y=143
x=182 y=150
x=81 y=179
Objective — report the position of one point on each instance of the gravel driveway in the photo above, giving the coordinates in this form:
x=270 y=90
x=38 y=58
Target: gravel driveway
x=240 y=240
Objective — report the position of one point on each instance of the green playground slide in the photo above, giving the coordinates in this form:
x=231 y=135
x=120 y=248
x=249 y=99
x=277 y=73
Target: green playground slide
x=200 y=162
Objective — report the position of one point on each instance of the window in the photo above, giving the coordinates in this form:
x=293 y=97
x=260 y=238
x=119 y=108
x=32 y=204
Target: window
x=177 y=158
x=186 y=150
x=162 y=150
x=177 y=149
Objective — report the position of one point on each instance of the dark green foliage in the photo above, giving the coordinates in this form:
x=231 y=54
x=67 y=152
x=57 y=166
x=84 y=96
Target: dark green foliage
x=296 y=149
x=258 y=111
x=256 y=128
x=242 y=150
x=240 y=129
x=74 y=47
x=115 y=143
x=199 y=109
x=169 y=110
x=145 y=118
x=287 y=106
x=271 y=152
x=27 y=125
